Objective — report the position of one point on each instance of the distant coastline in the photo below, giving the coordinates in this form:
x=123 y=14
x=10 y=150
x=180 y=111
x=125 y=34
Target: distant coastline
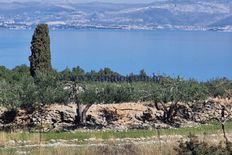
x=172 y=15
x=127 y=27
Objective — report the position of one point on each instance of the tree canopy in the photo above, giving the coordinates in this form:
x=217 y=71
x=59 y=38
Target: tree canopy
x=40 y=59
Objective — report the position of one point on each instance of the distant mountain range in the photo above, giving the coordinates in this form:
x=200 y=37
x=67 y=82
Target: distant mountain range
x=161 y=14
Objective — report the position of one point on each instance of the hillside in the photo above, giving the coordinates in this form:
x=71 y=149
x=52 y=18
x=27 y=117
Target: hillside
x=186 y=15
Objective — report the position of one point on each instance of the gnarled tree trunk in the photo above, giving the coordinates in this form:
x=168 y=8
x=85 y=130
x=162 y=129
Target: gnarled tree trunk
x=169 y=112
x=81 y=113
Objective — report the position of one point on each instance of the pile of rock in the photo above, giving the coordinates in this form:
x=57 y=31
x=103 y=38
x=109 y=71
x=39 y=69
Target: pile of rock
x=211 y=110
x=122 y=116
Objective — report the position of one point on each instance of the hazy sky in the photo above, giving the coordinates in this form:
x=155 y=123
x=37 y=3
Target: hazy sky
x=115 y=1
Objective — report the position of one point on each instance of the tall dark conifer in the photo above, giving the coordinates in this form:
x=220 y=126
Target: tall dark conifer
x=40 y=59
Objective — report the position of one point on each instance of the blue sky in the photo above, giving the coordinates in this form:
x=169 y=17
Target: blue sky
x=115 y=1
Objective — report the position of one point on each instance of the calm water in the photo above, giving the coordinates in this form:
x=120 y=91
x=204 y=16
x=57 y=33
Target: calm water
x=200 y=55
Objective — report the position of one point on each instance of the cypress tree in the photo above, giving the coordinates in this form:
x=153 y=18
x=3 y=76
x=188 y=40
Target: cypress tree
x=40 y=59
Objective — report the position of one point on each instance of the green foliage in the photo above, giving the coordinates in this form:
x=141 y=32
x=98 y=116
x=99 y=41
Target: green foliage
x=65 y=75
x=12 y=84
x=108 y=93
x=19 y=88
x=107 y=72
x=78 y=73
x=5 y=74
x=49 y=90
x=180 y=90
x=23 y=90
x=220 y=87
x=116 y=93
x=9 y=96
x=89 y=96
x=28 y=92
x=40 y=59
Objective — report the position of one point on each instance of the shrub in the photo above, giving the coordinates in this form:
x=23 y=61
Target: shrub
x=116 y=93
x=180 y=91
x=220 y=87
x=194 y=147
x=9 y=94
x=49 y=90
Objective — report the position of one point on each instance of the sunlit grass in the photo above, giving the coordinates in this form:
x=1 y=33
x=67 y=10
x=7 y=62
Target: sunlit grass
x=108 y=138
x=110 y=134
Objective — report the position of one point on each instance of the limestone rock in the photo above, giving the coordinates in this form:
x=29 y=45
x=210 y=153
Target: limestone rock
x=122 y=116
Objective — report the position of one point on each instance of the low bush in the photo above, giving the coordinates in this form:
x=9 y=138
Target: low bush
x=195 y=147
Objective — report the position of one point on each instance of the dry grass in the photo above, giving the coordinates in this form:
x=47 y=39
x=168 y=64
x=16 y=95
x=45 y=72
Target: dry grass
x=164 y=146
x=126 y=149
x=131 y=142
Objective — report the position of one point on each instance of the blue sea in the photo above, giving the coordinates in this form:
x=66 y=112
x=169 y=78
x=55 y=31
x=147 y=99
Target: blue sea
x=190 y=54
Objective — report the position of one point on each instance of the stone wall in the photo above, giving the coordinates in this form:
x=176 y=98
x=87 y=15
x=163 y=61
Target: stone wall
x=122 y=116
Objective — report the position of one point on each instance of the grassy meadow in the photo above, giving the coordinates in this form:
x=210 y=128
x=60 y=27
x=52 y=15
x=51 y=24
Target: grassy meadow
x=147 y=142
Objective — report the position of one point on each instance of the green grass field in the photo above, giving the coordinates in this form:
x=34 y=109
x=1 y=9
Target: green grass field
x=106 y=142
x=104 y=135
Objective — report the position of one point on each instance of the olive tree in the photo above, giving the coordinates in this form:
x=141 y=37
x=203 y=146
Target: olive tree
x=83 y=97
x=9 y=96
x=175 y=92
